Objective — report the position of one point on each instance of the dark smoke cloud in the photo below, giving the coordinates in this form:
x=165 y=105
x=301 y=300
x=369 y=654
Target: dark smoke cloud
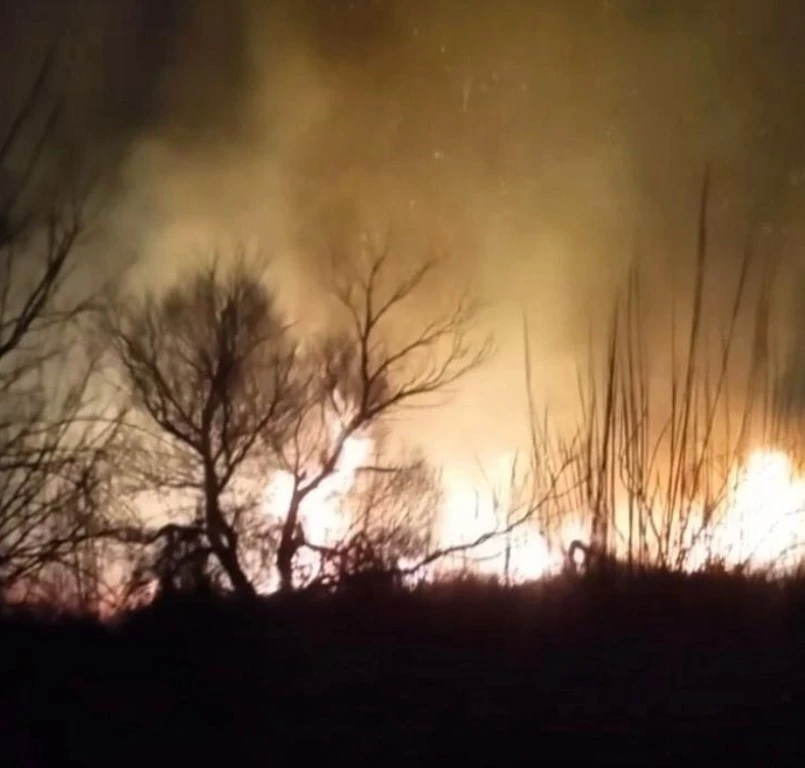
x=126 y=68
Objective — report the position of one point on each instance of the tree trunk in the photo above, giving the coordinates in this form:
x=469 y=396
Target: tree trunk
x=229 y=561
x=223 y=541
x=289 y=545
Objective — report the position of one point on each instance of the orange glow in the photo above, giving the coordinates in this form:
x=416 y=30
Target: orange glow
x=759 y=525
x=763 y=523
x=322 y=515
x=520 y=555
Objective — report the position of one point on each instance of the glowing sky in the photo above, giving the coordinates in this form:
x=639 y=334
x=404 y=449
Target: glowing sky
x=537 y=146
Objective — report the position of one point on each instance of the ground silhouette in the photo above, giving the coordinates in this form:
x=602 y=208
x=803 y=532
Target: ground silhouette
x=649 y=670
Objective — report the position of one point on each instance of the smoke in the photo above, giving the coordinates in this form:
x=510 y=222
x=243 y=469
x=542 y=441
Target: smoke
x=542 y=145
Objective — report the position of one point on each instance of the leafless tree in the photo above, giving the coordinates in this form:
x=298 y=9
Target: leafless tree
x=51 y=452
x=225 y=392
x=359 y=379
x=208 y=367
x=52 y=482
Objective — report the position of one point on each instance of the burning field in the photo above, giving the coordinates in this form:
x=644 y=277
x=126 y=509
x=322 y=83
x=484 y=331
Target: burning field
x=401 y=382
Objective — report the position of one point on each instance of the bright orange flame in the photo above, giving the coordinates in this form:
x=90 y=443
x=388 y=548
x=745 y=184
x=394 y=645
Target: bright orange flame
x=321 y=514
x=760 y=523
x=763 y=521
x=467 y=516
x=520 y=555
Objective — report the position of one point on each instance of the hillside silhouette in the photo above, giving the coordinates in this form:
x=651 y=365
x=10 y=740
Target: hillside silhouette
x=650 y=669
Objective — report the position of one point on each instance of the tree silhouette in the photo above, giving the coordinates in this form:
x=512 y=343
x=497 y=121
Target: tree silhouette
x=50 y=452
x=208 y=365
x=360 y=378
x=227 y=397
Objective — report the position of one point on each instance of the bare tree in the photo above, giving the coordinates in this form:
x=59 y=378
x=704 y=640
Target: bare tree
x=52 y=478
x=50 y=451
x=208 y=367
x=224 y=392
x=359 y=379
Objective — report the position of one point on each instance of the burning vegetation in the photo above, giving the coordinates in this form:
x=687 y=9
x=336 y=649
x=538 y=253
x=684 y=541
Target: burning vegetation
x=221 y=508
x=240 y=453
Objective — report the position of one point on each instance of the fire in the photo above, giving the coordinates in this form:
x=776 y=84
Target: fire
x=321 y=514
x=763 y=525
x=467 y=516
x=760 y=523
x=519 y=555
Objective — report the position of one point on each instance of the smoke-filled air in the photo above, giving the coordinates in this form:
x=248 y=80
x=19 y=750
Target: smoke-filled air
x=402 y=382
x=298 y=292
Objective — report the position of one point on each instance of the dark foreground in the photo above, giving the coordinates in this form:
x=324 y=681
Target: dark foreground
x=654 y=671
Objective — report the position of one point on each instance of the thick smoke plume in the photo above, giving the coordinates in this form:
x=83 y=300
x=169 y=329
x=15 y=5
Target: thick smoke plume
x=540 y=146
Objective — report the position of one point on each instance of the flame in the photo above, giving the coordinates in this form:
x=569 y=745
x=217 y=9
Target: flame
x=760 y=522
x=517 y=555
x=763 y=522
x=321 y=514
